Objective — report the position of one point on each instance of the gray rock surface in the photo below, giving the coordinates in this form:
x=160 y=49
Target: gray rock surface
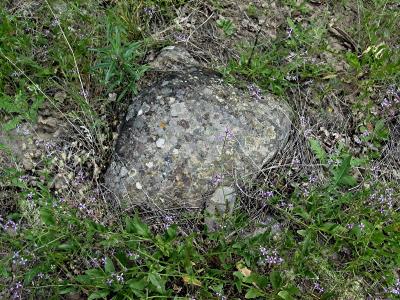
x=190 y=133
x=221 y=203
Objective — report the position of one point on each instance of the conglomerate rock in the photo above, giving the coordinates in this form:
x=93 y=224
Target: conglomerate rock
x=189 y=133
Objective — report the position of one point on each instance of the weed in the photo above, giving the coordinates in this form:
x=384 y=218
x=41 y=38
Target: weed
x=332 y=233
x=119 y=62
x=227 y=26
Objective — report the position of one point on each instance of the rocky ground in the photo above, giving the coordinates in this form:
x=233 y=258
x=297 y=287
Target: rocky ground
x=67 y=81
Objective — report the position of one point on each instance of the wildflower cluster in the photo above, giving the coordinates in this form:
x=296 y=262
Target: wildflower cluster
x=269 y=257
x=132 y=255
x=391 y=101
x=9 y=225
x=149 y=11
x=255 y=91
x=395 y=289
x=168 y=221
x=384 y=201
x=227 y=135
x=318 y=288
x=18 y=260
x=16 y=291
x=217 y=179
x=115 y=277
x=266 y=194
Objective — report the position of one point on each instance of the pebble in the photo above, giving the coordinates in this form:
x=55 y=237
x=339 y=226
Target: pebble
x=160 y=143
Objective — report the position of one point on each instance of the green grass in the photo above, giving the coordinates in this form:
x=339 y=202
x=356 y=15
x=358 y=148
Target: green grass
x=338 y=233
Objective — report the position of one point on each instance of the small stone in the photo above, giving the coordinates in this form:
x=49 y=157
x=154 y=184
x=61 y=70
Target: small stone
x=60 y=96
x=175 y=152
x=27 y=164
x=149 y=165
x=178 y=109
x=124 y=171
x=221 y=202
x=139 y=186
x=160 y=143
x=59 y=182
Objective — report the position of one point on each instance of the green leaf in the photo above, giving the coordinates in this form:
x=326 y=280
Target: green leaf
x=302 y=213
x=378 y=238
x=353 y=60
x=66 y=246
x=95 y=273
x=253 y=293
x=380 y=130
x=348 y=180
x=285 y=295
x=318 y=150
x=109 y=266
x=10 y=125
x=67 y=290
x=341 y=176
x=47 y=217
x=135 y=225
x=137 y=284
x=276 y=279
x=84 y=279
x=157 y=282
x=3 y=270
x=30 y=275
x=99 y=295
x=328 y=296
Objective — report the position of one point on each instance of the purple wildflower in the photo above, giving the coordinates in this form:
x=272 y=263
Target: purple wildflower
x=217 y=179
x=395 y=290
x=385 y=103
x=312 y=179
x=80 y=177
x=226 y=135
x=149 y=11
x=18 y=260
x=289 y=32
x=361 y=226
x=95 y=262
x=365 y=133
x=266 y=194
x=10 y=225
x=24 y=178
x=318 y=288
x=255 y=91
x=229 y=134
x=269 y=257
x=120 y=278
x=103 y=261
x=29 y=197
x=168 y=221
x=179 y=37
x=16 y=291
x=132 y=255
x=306 y=192
x=109 y=281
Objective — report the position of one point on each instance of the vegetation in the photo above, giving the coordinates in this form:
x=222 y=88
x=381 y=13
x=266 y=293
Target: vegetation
x=333 y=202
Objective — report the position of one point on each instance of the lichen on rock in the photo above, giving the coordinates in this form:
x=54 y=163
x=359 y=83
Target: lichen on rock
x=187 y=133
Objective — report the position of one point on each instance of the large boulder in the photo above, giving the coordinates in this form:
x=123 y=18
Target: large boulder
x=188 y=134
